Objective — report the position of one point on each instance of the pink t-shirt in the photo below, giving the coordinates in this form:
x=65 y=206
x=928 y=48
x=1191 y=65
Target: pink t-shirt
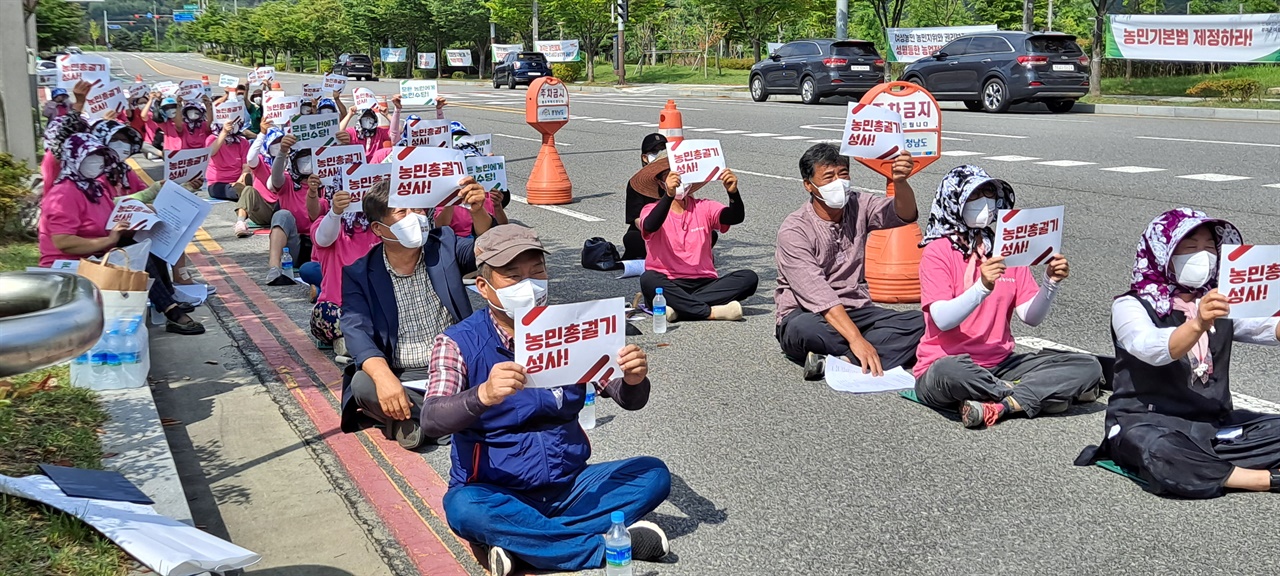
x=187 y=140
x=682 y=247
x=373 y=143
x=49 y=169
x=985 y=334
x=379 y=156
x=343 y=252
x=295 y=201
x=65 y=210
x=262 y=175
x=462 y=221
x=224 y=167
x=135 y=185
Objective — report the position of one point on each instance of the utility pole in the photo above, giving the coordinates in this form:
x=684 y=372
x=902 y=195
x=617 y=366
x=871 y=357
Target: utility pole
x=155 y=21
x=842 y=20
x=621 y=60
x=535 y=24
x=1049 y=27
x=1028 y=15
x=106 y=32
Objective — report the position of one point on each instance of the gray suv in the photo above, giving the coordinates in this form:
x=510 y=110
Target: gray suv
x=815 y=69
x=992 y=70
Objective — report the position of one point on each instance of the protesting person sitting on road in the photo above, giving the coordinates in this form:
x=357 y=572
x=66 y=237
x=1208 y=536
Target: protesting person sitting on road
x=124 y=142
x=58 y=104
x=307 y=107
x=458 y=132
x=287 y=205
x=341 y=237
x=331 y=106
x=677 y=235
x=1170 y=418
x=135 y=117
x=228 y=151
x=653 y=147
x=73 y=223
x=185 y=130
x=519 y=482
x=55 y=135
x=395 y=300
x=367 y=132
x=968 y=296
x=823 y=304
x=254 y=107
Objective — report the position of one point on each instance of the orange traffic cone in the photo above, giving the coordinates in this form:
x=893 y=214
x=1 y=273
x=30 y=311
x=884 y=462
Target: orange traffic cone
x=671 y=123
x=137 y=78
x=893 y=263
x=549 y=182
x=275 y=86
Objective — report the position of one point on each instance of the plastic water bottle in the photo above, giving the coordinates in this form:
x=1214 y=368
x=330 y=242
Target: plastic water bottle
x=617 y=547
x=587 y=417
x=129 y=346
x=286 y=264
x=659 y=313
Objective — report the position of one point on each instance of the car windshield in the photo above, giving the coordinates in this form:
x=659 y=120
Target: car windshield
x=1054 y=45
x=531 y=57
x=853 y=49
x=359 y=59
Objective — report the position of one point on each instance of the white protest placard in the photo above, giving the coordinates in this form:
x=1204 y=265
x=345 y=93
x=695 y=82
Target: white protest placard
x=138 y=90
x=358 y=179
x=329 y=161
x=458 y=57
x=180 y=166
x=431 y=133
x=872 y=132
x=228 y=81
x=500 y=51
x=425 y=177
x=559 y=50
x=46 y=78
x=490 y=172
x=75 y=67
x=697 y=162
x=418 y=92
x=427 y=60
x=266 y=74
x=134 y=214
x=334 y=82
x=281 y=109
x=314 y=130
x=105 y=97
x=181 y=214
x=206 y=89
x=312 y=91
x=1030 y=236
x=364 y=98
x=166 y=88
x=190 y=90
x=482 y=142
x=1249 y=276
x=228 y=110
x=569 y=344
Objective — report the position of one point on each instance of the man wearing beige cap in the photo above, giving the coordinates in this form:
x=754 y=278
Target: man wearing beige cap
x=520 y=483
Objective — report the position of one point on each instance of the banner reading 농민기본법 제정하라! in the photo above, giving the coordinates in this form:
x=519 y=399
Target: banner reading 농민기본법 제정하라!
x=911 y=44
x=1195 y=38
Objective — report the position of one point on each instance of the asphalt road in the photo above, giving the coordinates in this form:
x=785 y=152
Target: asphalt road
x=774 y=475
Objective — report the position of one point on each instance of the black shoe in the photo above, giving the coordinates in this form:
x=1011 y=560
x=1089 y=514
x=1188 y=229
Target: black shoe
x=408 y=433
x=648 y=541
x=500 y=563
x=815 y=367
x=184 y=307
x=188 y=328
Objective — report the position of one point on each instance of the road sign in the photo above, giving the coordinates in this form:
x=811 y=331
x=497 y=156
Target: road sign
x=191 y=6
x=113 y=27
x=150 y=15
x=180 y=16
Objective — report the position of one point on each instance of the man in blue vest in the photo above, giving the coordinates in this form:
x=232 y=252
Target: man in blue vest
x=520 y=483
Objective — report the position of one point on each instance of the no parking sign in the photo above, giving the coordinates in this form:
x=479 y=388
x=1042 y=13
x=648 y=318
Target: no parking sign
x=921 y=123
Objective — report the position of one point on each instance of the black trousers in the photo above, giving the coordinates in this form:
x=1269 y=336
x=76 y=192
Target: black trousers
x=1173 y=463
x=633 y=244
x=692 y=299
x=365 y=394
x=895 y=335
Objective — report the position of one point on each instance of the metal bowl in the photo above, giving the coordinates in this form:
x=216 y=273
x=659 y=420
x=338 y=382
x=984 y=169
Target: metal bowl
x=46 y=318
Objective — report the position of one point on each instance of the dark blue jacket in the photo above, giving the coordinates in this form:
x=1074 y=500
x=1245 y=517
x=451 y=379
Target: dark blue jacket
x=370 y=316
x=529 y=442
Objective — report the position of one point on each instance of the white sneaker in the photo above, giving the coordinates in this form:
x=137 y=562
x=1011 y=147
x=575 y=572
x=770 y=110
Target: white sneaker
x=648 y=541
x=499 y=562
x=242 y=229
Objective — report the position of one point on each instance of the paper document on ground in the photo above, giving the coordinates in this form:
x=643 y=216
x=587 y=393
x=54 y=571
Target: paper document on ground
x=165 y=545
x=632 y=268
x=194 y=294
x=845 y=377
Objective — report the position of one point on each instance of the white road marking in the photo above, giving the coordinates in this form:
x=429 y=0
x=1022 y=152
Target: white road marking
x=761 y=134
x=984 y=134
x=704 y=129
x=1066 y=163
x=650 y=125
x=634 y=124
x=558 y=210
x=558 y=143
x=961 y=153
x=1211 y=177
x=1260 y=144
x=791 y=138
x=1241 y=401
x=1010 y=158
x=794 y=179
x=580 y=118
x=1132 y=169
x=955 y=139
x=1272 y=185
x=731 y=132
x=613 y=121
x=826 y=141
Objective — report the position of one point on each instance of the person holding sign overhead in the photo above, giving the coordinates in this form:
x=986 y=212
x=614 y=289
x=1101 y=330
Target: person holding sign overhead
x=283 y=196
x=395 y=300
x=1170 y=418
x=519 y=481
x=341 y=237
x=367 y=132
x=228 y=151
x=678 y=239
x=965 y=359
x=823 y=304
x=185 y=131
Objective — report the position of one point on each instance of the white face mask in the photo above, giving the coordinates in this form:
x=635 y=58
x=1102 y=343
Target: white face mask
x=409 y=230
x=524 y=294
x=194 y=116
x=1193 y=270
x=368 y=123
x=835 y=194
x=980 y=213
x=273 y=150
x=122 y=149
x=92 y=166
x=304 y=166
x=650 y=157
x=257 y=100
x=168 y=113
x=306 y=110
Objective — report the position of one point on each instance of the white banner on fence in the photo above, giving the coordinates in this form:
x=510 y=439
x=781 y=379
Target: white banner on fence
x=427 y=60
x=394 y=54
x=458 y=57
x=559 y=50
x=1196 y=38
x=911 y=44
x=501 y=50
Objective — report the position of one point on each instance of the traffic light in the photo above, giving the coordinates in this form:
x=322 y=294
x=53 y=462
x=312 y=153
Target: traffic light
x=622 y=10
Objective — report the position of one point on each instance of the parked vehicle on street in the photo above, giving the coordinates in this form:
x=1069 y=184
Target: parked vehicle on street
x=993 y=70
x=816 y=69
x=355 y=66
x=520 y=68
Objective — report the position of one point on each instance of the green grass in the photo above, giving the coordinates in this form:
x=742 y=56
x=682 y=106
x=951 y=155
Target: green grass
x=1268 y=75
x=16 y=256
x=663 y=74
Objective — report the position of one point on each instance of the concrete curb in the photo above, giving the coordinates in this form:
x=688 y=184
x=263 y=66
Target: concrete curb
x=136 y=440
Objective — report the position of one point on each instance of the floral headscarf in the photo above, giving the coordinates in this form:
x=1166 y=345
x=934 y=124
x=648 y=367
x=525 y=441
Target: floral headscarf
x=74 y=150
x=352 y=221
x=193 y=125
x=946 y=218
x=299 y=179
x=56 y=133
x=271 y=136
x=1153 y=277
x=117 y=171
x=234 y=137
x=360 y=130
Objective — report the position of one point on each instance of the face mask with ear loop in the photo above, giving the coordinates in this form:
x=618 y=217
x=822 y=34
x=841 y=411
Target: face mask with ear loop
x=834 y=194
x=979 y=214
x=410 y=230
x=1194 y=270
x=522 y=295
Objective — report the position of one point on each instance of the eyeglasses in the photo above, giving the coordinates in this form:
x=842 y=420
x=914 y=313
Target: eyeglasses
x=984 y=192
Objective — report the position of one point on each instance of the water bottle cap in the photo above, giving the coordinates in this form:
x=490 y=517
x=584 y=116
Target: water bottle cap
x=616 y=517
x=658 y=291
x=286 y=250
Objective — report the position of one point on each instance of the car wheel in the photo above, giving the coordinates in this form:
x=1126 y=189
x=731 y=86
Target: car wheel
x=758 y=91
x=496 y=84
x=511 y=81
x=915 y=80
x=994 y=96
x=1060 y=106
x=809 y=91
x=973 y=105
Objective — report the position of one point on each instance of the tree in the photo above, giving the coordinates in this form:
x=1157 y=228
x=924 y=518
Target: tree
x=95 y=31
x=756 y=21
x=58 y=23
x=588 y=20
x=465 y=23
x=124 y=41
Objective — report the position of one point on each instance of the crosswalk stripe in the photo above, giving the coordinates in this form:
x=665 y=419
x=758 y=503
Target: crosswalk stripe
x=634 y=124
x=1011 y=158
x=1272 y=185
x=731 y=132
x=960 y=153
x=704 y=130
x=1211 y=177
x=1132 y=169
x=1066 y=163
x=761 y=134
x=791 y=138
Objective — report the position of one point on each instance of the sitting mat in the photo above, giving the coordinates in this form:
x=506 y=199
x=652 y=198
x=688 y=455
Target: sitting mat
x=910 y=394
x=1113 y=467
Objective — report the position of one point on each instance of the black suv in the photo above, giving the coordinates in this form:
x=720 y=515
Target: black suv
x=355 y=66
x=992 y=70
x=815 y=69
x=520 y=68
